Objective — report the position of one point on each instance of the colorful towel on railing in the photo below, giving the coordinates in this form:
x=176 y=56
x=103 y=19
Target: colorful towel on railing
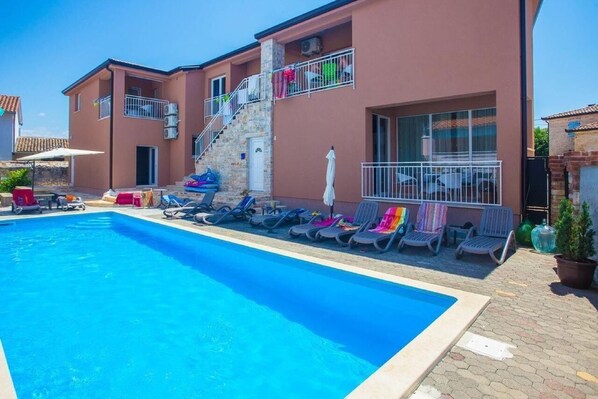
x=431 y=217
x=391 y=221
x=347 y=224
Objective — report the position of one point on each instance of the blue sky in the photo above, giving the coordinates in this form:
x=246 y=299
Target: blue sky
x=47 y=45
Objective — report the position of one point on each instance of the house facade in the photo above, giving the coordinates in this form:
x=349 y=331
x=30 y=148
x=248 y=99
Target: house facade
x=11 y=120
x=421 y=100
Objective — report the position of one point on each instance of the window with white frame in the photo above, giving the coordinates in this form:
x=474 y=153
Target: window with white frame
x=77 y=102
x=468 y=135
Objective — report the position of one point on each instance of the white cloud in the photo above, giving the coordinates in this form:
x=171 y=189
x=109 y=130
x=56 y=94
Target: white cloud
x=41 y=114
x=43 y=131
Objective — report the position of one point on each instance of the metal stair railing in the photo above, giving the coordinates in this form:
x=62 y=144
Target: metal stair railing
x=250 y=90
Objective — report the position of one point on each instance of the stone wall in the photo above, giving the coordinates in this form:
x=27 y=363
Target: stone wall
x=225 y=155
x=46 y=173
x=570 y=162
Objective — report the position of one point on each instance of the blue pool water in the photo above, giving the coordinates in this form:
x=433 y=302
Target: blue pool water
x=108 y=306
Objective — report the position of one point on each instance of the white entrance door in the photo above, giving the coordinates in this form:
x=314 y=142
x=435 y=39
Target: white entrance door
x=256 y=164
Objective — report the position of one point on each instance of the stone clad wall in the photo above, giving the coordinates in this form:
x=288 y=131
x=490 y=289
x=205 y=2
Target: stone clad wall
x=225 y=155
x=46 y=173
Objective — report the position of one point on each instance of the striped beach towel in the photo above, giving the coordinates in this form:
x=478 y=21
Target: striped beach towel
x=391 y=221
x=431 y=217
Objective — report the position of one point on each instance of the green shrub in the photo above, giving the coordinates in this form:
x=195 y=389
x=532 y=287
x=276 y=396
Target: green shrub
x=574 y=236
x=19 y=177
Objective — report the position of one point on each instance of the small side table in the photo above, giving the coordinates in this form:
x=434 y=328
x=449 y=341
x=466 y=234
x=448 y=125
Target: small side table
x=455 y=230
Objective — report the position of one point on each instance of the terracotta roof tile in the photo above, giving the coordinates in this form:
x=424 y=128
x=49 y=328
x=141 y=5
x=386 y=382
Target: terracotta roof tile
x=590 y=109
x=9 y=103
x=39 y=144
x=587 y=126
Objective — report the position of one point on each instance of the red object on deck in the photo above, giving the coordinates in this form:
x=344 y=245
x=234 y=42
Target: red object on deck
x=124 y=199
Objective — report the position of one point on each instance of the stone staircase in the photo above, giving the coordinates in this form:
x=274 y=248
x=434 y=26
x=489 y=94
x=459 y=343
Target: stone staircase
x=224 y=156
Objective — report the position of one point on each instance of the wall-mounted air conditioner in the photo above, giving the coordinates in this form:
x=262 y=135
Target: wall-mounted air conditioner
x=171 y=109
x=170 y=133
x=171 y=121
x=311 y=46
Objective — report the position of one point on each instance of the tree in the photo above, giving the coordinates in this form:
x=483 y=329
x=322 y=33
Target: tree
x=541 y=141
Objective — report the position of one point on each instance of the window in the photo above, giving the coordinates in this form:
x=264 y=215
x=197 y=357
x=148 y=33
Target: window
x=134 y=91
x=77 y=102
x=450 y=136
x=218 y=87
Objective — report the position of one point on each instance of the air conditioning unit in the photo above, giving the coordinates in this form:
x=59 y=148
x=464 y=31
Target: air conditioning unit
x=171 y=109
x=171 y=121
x=311 y=46
x=170 y=133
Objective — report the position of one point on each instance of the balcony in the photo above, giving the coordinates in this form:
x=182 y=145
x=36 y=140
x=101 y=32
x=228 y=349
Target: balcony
x=471 y=183
x=104 y=105
x=328 y=72
x=144 y=107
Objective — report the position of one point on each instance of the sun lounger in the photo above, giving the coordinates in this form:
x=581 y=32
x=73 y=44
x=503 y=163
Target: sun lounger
x=273 y=221
x=495 y=232
x=23 y=200
x=393 y=223
x=429 y=227
x=190 y=209
x=240 y=212
x=70 y=202
x=171 y=200
x=366 y=214
x=315 y=224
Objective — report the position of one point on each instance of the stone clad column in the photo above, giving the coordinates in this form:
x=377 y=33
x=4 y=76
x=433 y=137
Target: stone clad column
x=272 y=58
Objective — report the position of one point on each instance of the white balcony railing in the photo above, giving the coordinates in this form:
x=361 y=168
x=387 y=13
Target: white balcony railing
x=144 y=107
x=212 y=105
x=461 y=183
x=104 y=107
x=250 y=90
x=327 y=72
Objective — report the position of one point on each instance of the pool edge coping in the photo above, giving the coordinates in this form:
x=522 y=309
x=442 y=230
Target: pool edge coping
x=7 y=389
x=412 y=363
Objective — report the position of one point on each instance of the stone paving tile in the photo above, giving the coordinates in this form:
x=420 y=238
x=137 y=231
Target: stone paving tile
x=554 y=328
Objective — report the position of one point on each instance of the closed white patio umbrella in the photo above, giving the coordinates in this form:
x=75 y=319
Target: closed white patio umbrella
x=330 y=172
x=55 y=153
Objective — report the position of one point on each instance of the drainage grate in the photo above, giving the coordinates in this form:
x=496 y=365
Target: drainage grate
x=485 y=346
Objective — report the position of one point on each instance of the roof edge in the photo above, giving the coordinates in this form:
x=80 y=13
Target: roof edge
x=230 y=54
x=303 y=17
x=112 y=61
x=561 y=114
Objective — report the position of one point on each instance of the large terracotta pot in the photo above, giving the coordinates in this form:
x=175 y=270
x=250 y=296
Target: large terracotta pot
x=575 y=274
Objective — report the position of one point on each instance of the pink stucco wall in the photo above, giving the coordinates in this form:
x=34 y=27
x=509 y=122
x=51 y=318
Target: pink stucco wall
x=433 y=54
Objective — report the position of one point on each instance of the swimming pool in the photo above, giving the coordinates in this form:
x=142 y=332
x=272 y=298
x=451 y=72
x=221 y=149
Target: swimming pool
x=107 y=305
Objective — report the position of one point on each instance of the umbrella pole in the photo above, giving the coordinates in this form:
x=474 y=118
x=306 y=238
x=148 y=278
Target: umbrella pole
x=33 y=178
x=332 y=206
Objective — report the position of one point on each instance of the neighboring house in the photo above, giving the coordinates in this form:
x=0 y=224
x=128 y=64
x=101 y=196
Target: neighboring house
x=11 y=120
x=570 y=129
x=573 y=143
x=422 y=100
x=33 y=145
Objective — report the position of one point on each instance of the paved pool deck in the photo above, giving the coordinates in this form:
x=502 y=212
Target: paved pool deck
x=554 y=328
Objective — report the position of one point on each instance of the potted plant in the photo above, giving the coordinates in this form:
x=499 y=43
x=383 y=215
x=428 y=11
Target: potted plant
x=575 y=245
